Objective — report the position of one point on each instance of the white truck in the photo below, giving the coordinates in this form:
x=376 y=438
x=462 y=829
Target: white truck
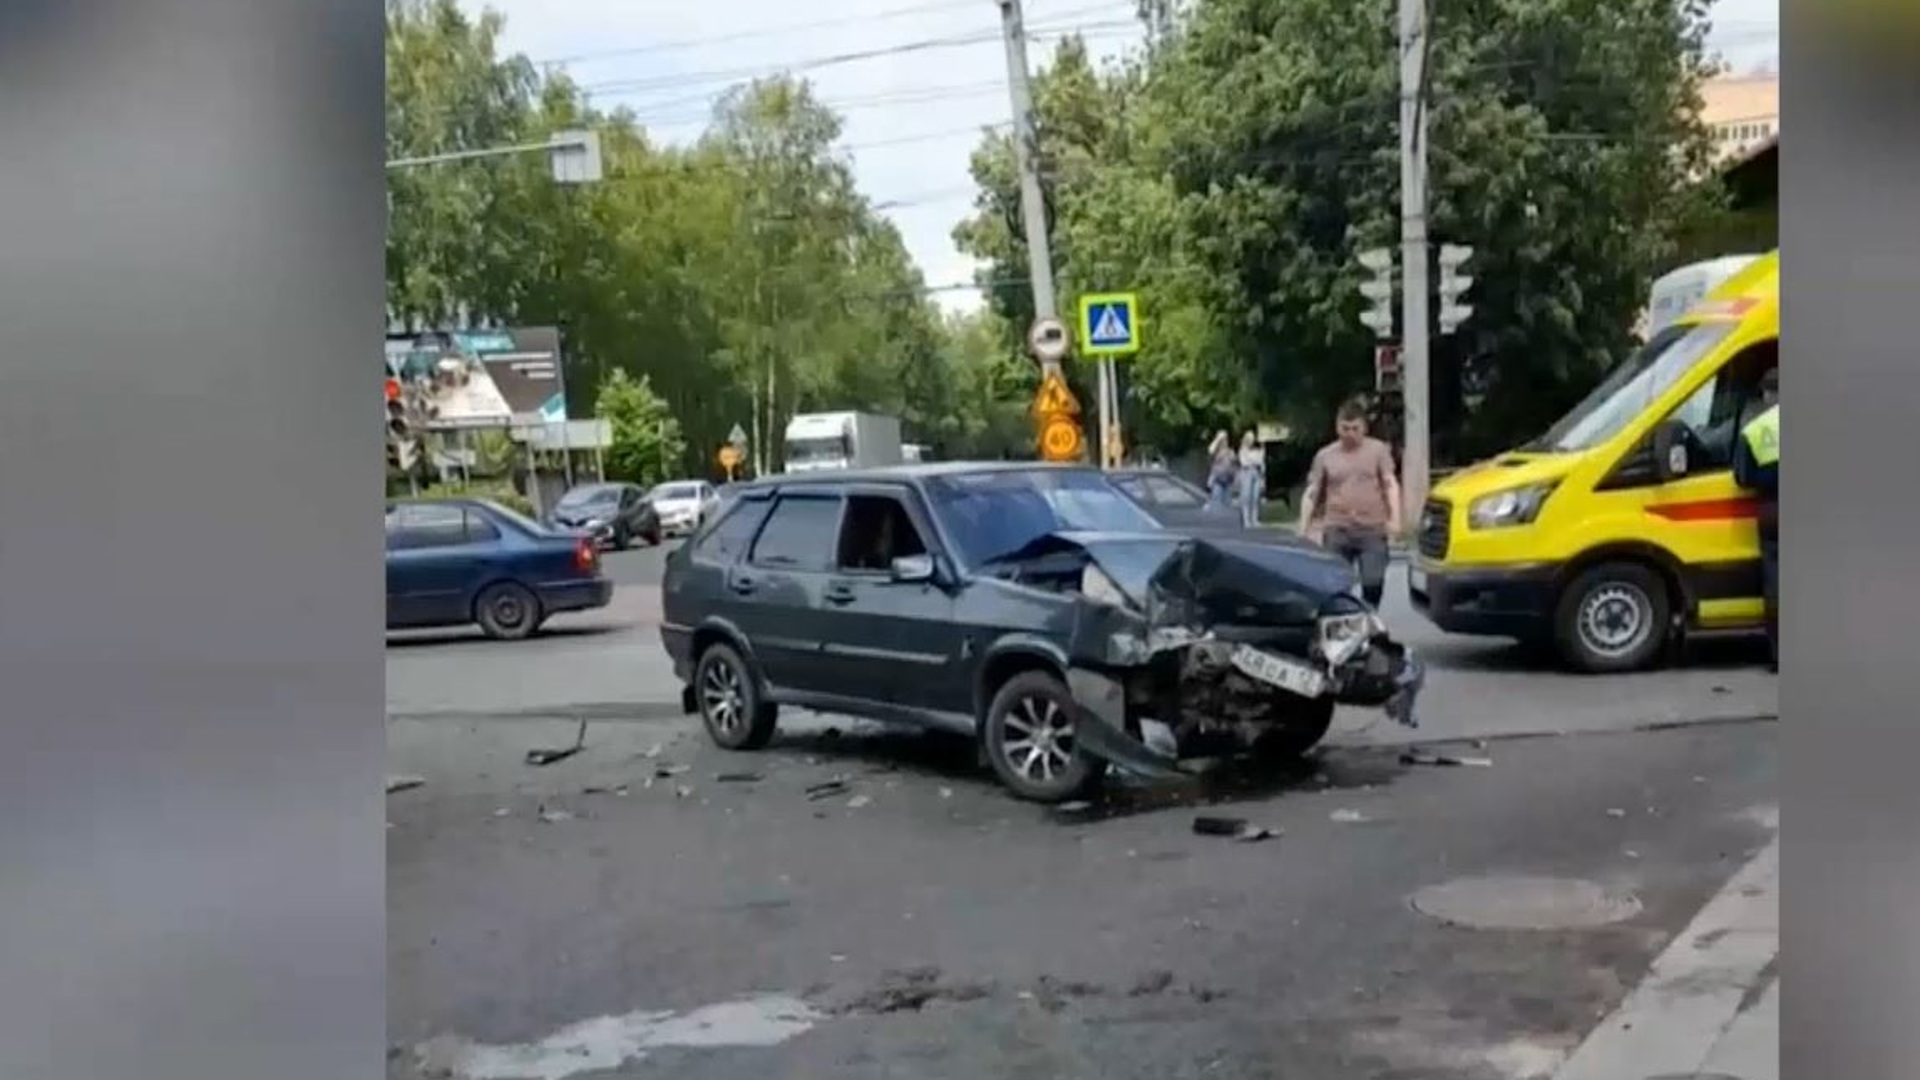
x=842 y=440
x=1679 y=289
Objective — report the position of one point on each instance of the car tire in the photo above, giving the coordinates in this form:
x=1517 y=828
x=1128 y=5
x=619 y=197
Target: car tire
x=507 y=611
x=1032 y=716
x=727 y=691
x=622 y=539
x=1612 y=618
x=1306 y=724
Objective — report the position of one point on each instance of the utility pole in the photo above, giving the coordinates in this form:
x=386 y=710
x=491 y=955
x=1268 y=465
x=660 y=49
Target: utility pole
x=1416 y=458
x=1026 y=144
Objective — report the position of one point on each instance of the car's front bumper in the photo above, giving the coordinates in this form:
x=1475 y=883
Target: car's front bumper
x=1512 y=601
x=1384 y=674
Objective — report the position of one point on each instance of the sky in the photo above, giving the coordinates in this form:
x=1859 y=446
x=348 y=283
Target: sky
x=915 y=81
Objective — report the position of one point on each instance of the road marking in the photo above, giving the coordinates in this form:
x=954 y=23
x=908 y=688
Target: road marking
x=1670 y=1023
x=608 y=1042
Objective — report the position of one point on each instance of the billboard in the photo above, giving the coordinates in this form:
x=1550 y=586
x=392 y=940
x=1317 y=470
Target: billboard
x=484 y=378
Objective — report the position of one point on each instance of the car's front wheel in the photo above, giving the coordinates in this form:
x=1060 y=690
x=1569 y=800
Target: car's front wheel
x=1613 y=618
x=1029 y=739
x=507 y=611
x=724 y=686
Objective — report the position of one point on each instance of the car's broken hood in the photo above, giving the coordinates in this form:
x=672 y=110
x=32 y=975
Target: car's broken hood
x=1172 y=579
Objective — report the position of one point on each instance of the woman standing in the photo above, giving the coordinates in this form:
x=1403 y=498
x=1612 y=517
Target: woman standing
x=1253 y=478
x=1220 y=470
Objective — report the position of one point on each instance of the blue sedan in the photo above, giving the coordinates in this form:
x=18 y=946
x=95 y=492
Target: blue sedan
x=457 y=562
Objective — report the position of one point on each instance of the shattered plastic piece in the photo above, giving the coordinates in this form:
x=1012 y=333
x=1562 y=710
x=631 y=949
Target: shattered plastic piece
x=827 y=789
x=655 y=750
x=1421 y=758
x=681 y=792
x=548 y=757
x=404 y=783
x=668 y=772
x=1616 y=812
x=739 y=778
x=553 y=817
x=1349 y=817
x=502 y=812
x=857 y=802
x=1236 y=828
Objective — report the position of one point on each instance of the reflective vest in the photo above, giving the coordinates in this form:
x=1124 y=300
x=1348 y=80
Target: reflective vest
x=1763 y=437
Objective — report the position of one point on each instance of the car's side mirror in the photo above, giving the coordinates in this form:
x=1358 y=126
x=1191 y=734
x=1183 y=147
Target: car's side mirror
x=909 y=569
x=1670 y=454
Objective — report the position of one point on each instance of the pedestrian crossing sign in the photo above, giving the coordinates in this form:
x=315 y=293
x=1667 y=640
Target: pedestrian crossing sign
x=1109 y=324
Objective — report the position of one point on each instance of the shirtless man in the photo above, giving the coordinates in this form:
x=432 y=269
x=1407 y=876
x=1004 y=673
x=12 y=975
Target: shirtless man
x=1351 y=483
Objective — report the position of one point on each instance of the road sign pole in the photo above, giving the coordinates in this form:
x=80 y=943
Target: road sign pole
x=1414 y=333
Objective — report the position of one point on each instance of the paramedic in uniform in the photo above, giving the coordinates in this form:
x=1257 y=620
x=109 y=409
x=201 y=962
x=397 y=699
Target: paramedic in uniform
x=1756 y=467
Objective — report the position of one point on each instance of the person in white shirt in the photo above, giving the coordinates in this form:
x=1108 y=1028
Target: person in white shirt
x=1252 y=477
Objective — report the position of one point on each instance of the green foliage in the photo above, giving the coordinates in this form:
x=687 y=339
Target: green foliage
x=1230 y=174
x=742 y=279
x=496 y=492
x=647 y=445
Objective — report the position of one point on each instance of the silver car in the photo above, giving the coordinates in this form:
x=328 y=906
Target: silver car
x=683 y=505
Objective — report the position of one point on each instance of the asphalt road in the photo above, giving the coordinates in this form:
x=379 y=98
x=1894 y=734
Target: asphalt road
x=918 y=924
x=608 y=666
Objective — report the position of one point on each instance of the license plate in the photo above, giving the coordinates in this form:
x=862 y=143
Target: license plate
x=1416 y=579
x=1284 y=672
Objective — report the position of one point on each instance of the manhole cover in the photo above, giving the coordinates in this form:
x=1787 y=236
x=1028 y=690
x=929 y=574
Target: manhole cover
x=1524 y=903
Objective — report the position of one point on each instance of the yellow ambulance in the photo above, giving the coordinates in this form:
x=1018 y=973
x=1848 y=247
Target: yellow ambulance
x=1620 y=529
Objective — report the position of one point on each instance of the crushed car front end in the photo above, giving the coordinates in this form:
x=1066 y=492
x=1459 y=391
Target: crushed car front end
x=1186 y=647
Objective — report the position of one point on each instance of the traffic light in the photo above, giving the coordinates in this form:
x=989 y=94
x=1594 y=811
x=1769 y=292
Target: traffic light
x=1378 y=290
x=1453 y=286
x=407 y=414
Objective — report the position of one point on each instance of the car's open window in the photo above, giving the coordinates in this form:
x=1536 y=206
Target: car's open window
x=799 y=534
x=730 y=536
x=874 y=531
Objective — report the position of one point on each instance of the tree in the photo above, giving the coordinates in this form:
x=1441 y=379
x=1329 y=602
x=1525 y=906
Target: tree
x=647 y=446
x=1232 y=172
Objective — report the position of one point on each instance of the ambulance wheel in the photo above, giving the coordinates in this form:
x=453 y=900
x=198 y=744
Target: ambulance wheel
x=1611 y=618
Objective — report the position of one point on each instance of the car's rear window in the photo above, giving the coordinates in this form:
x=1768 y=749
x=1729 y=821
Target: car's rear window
x=677 y=491
x=729 y=537
x=800 y=534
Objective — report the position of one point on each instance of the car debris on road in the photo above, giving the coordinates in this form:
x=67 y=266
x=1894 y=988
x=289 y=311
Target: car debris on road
x=548 y=757
x=1235 y=828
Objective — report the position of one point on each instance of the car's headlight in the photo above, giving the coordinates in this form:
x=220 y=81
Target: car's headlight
x=1341 y=636
x=1502 y=509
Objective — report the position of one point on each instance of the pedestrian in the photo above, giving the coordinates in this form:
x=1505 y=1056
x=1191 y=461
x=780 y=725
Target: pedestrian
x=1253 y=478
x=1220 y=469
x=1352 y=488
x=1756 y=467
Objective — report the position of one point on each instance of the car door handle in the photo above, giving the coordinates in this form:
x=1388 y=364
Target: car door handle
x=838 y=593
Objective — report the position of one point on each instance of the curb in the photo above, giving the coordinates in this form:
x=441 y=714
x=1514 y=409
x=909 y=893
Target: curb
x=1697 y=991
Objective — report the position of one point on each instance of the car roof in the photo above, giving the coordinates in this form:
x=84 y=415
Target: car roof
x=908 y=473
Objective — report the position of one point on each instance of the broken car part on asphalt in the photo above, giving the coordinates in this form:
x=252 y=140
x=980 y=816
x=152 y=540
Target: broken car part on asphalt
x=548 y=757
x=1183 y=647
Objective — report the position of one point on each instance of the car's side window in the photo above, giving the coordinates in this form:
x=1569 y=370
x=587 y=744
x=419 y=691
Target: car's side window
x=424 y=525
x=480 y=530
x=730 y=536
x=799 y=534
x=1723 y=404
x=628 y=497
x=1134 y=489
x=875 y=530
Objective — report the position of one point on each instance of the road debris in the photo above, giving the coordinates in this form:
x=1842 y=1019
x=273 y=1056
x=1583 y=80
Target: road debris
x=404 y=783
x=1237 y=828
x=827 y=789
x=654 y=751
x=548 y=757
x=1616 y=812
x=857 y=802
x=502 y=812
x=739 y=778
x=682 y=792
x=554 y=817
x=911 y=991
x=1349 y=817
x=668 y=772
x=1423 y=758
x=946 y=793
x=603 y=789
x=1152 y=983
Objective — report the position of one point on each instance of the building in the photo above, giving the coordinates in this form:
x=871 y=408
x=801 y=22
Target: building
x=1742 y=112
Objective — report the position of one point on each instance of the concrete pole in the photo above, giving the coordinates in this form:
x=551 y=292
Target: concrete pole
x=1416 y=354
